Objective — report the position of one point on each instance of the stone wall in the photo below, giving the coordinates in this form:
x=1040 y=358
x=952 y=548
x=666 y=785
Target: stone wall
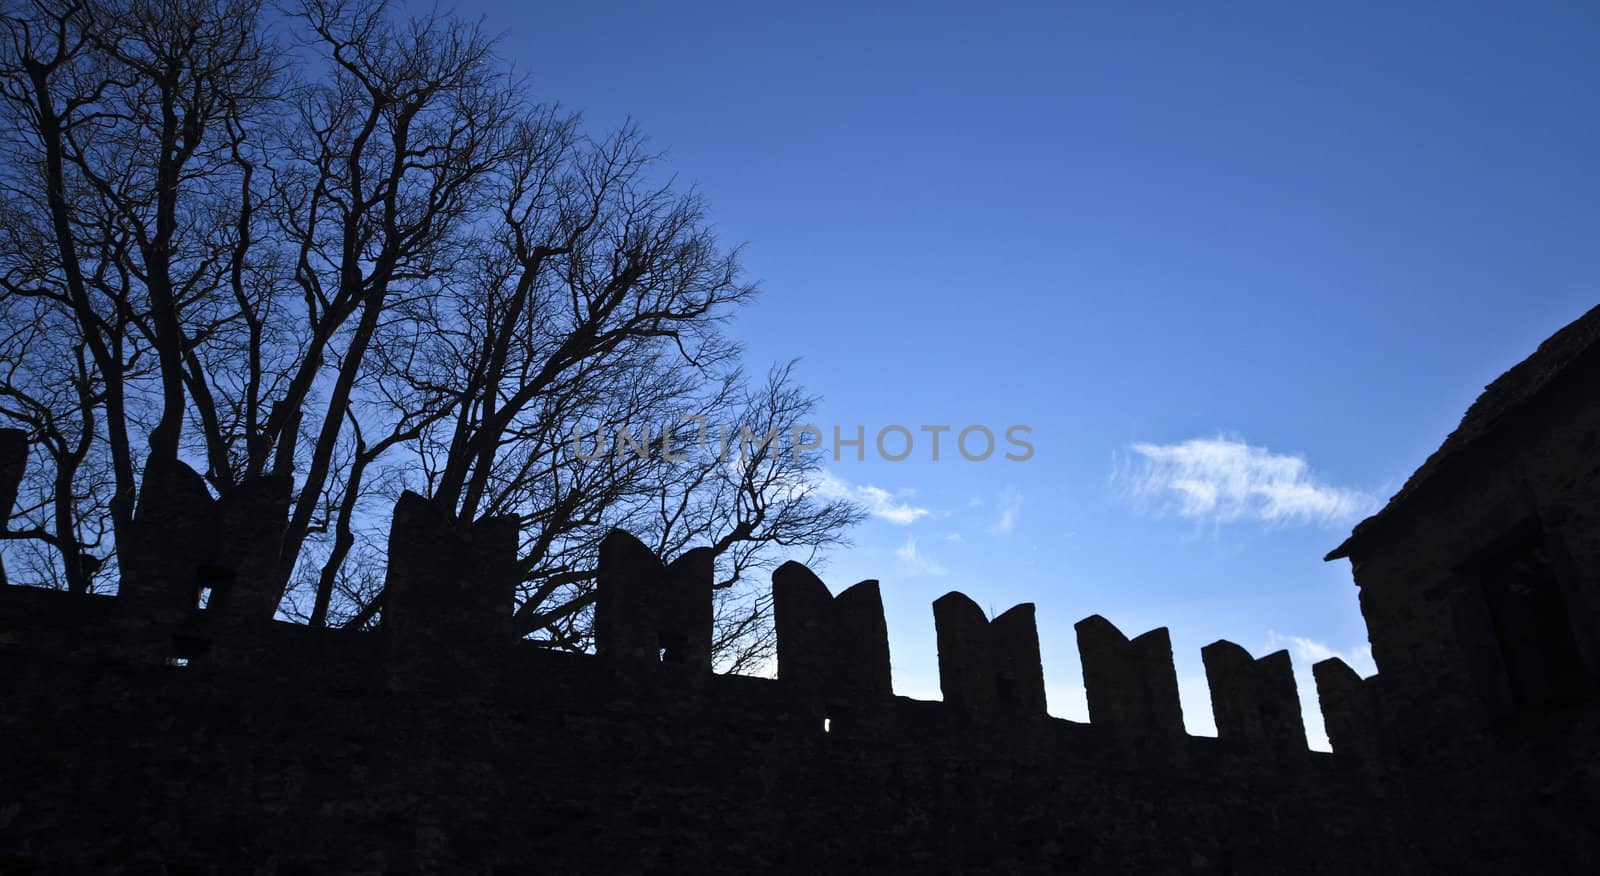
x=1481 y=592
x=155 y=733
x=577 y=764
x=178 y=728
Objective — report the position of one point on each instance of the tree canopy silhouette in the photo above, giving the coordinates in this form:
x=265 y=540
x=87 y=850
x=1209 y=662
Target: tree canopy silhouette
x=343 y=244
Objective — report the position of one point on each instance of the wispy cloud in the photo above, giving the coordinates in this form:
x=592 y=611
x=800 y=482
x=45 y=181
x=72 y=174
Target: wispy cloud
x=1311 y=651
x=1010 y=504
x=1223 y=480
x=915 y=561
x=883 y=504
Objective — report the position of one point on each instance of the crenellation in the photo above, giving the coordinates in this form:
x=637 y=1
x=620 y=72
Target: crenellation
x=1349 y=710
x=250 y=520
x=833 y=647
x=445 y=635
x=650 y=611
x=965 y=674
x=1131 y=685
x=1254 y=702
x=208 y=562
x=13 y=465
x=199 y=585
x=164 y=568
x=448 y=595
x=1152 y=652
x=145 y=728
x=1019 y=670
x=988 y=666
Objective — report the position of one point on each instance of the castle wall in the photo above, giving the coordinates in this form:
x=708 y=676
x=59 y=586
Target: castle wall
x=571 y=763
x=438 y=743
x=160 y=731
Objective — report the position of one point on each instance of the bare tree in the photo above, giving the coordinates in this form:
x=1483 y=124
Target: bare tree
x=344 y=245
x=49 y=389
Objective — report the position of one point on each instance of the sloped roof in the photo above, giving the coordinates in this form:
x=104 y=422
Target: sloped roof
x=1500 y=399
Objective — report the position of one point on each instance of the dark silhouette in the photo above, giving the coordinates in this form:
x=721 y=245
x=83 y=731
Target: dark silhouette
x=168 y=730
x=335 y=244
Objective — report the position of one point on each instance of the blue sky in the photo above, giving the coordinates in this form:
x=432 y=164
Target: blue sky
x=1239 y=268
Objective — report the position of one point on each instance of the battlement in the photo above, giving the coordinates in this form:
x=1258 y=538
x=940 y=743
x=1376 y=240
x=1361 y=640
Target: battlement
x=185 y=675
x=445 y=627
x=436 y=723
x=179 y=728
x=727 y=773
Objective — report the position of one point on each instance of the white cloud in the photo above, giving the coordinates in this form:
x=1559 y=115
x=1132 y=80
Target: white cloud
x=1008 y=504
x=917 y=562
x=1008 y=519
x=1223 y=480
x=1311 y=651
x=879 y=502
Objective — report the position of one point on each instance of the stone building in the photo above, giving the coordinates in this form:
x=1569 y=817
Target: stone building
x=177 y=728
x=1480 y=585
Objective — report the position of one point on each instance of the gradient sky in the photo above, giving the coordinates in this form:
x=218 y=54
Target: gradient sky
x=1240 y=268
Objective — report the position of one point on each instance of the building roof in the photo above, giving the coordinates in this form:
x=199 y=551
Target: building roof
x=1500 y=399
